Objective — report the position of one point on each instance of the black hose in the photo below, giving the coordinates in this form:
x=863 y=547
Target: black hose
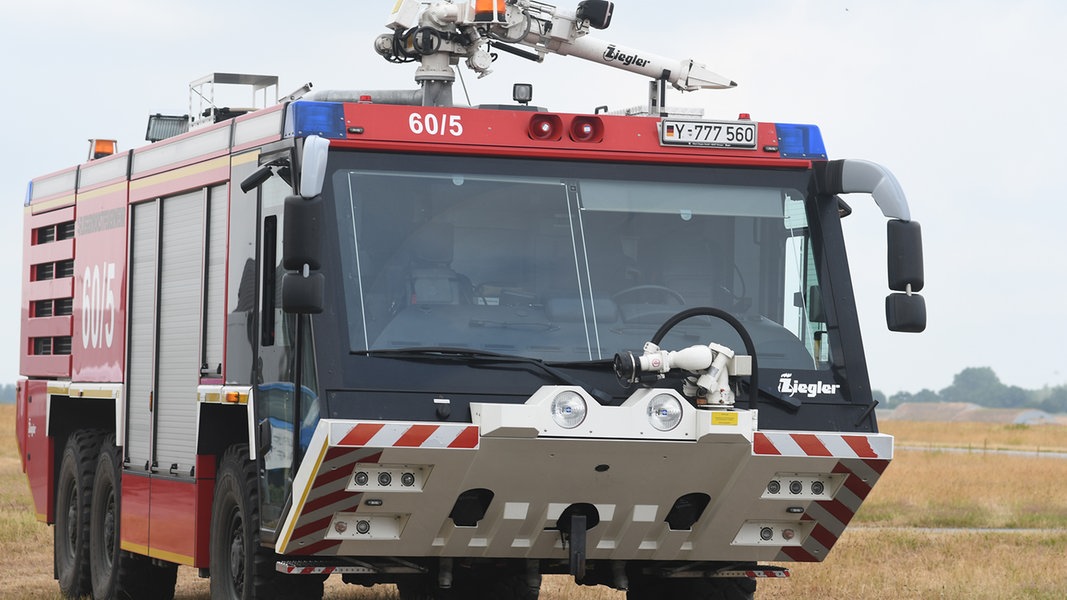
x=708 y=311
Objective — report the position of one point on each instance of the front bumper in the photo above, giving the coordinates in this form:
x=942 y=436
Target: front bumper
x=398 y=489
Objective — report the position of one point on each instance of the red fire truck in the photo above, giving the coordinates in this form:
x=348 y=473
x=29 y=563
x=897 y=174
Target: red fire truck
x=378 y=335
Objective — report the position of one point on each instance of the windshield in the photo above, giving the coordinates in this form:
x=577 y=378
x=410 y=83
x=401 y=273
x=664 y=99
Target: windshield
x=568 y=261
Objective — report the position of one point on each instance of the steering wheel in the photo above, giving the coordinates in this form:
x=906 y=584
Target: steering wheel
x=649 y=288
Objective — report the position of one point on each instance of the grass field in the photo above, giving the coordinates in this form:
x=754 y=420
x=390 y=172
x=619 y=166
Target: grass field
x=939 y=524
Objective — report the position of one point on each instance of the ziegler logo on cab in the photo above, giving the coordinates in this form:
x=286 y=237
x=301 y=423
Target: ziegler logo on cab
x=792 y=387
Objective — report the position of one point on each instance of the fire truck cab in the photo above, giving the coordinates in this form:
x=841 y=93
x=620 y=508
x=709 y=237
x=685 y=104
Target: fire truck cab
x=378 y=335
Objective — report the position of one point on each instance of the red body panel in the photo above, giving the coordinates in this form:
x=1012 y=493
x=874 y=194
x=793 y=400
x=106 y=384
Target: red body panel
x=99 y=327
x=38 y=450
x=172 y=520
x=135 y=512
x=169 y=519
x=506 y=133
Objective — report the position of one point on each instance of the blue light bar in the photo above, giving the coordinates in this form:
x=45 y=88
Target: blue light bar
x=324 y=119
x=800 y=141
x=29 y=193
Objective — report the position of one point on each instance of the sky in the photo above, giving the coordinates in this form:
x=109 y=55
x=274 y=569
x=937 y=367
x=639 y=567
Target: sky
x=962 y=100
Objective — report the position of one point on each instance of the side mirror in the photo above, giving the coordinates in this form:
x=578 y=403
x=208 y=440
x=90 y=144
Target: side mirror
x=905 y=312
x=302 y=233
x=905 y=255
x=303 y=294
x=303 y=286
x=816 y=309
x=265 y=437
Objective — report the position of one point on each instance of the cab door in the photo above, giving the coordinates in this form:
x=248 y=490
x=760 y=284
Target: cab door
x=282 y=433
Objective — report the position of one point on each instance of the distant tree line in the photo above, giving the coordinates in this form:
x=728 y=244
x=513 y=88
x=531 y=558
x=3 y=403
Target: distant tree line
x=7 y=393
x=981 y=386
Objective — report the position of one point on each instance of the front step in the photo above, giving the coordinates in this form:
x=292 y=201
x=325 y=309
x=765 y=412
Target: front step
x=330 y=566
x=758 y=572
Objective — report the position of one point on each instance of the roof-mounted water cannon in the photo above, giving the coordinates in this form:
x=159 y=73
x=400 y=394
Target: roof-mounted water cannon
x=444 y=33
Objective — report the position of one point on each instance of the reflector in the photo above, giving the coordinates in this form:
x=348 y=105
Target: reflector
x=102 y=148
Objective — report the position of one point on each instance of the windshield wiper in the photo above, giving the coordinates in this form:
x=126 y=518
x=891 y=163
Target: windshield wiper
x=486 y=357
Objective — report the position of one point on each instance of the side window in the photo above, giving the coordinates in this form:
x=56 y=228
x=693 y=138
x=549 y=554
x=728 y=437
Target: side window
x=214 y=282
x=274 y=330
x=804 y=311
x=241 y=300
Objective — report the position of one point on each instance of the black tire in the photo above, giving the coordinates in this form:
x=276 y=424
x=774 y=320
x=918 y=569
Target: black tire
x=116 y=574
x=71 y=532
x=420 y=590
x=642 y=589
x=505 y=586
x=241 y=568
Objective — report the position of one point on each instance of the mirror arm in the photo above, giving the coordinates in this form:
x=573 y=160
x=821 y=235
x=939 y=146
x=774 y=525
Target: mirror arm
x=865 y=177
x=313 y=157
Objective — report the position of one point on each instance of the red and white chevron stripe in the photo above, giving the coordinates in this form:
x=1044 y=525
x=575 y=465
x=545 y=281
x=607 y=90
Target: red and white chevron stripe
x=860 y=457
x=832 y=516
x=349 y=444
x=838 y=445
x=404 y=435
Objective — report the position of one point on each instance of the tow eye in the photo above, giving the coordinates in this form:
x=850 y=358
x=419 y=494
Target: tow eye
x=576 y=520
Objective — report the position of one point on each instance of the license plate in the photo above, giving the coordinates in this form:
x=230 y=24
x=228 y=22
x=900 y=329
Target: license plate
x=720 y=134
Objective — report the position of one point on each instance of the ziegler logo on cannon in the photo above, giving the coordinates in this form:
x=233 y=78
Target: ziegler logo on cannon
x=613 y=55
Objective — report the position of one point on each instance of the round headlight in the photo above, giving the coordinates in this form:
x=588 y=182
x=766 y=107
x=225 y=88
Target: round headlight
x=664 y=412
x=568 y=409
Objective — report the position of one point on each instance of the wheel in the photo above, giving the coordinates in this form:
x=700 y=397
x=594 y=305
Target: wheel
x=498 y=582
x=643 y=589
x=241 y=568
x=115 y=573
x=71 y=532
x=506 y=586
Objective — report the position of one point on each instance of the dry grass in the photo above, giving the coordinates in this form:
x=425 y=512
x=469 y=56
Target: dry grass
x=943 y=489
x=904 y=564
x=978 y=436
x=882 y=556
